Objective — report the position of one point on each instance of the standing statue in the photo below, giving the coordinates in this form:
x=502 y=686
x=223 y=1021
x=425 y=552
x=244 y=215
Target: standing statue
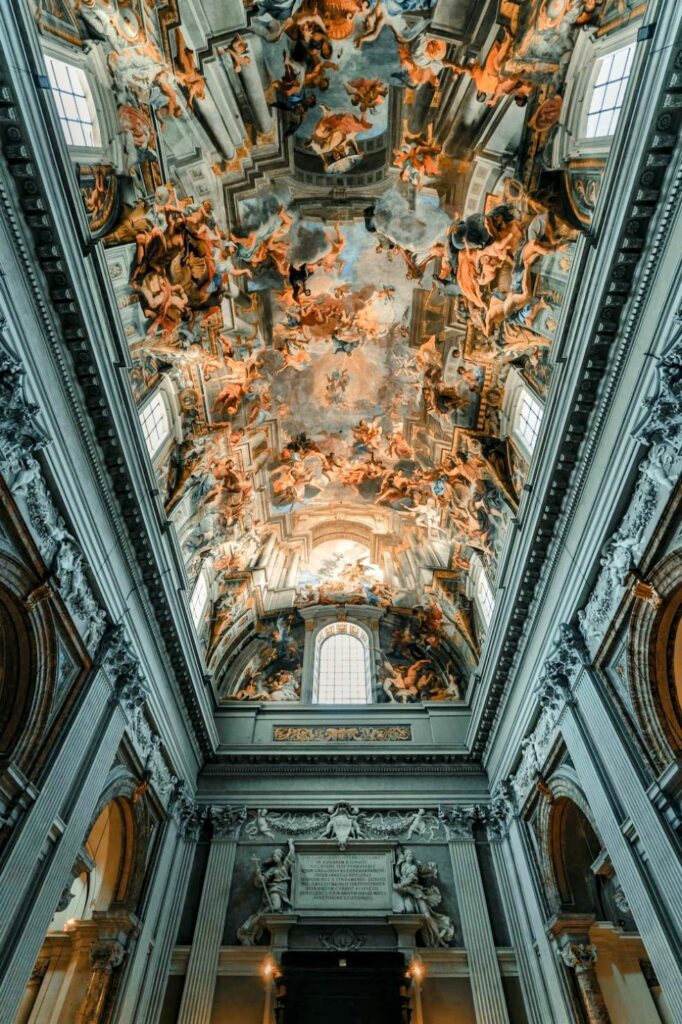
x=273 y=877
x=413 y=897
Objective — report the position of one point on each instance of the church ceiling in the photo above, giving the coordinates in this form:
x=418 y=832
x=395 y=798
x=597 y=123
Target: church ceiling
x=339 y=234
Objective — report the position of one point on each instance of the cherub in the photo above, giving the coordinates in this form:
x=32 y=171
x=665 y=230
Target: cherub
x=366 y=93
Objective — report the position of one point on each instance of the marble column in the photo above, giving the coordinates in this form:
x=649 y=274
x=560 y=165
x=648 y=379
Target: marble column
x=146 y=973
x=484 y=968
x=98 y=741
x=518 y=917
x=200 y=981
x=581 y=958
x=105 y=957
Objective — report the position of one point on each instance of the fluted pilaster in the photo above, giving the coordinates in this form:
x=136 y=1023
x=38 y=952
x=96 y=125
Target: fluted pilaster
x=197 y=996
x=484 y=968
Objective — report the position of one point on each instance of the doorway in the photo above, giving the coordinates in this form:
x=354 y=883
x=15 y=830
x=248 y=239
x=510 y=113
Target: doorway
x=343 y=988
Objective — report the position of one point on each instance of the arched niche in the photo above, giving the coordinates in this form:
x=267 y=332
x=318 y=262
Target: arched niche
x=655 y=661
x=110 y=870
x=568 y=845
x=28 y=664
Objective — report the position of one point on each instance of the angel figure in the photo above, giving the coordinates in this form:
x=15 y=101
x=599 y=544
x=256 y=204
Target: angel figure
x=402 y=684
x=366 y=93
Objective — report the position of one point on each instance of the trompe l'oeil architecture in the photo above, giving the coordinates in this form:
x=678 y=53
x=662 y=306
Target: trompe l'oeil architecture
x=340 y=547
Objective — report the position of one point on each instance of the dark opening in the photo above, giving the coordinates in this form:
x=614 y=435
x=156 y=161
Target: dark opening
x=343 y=988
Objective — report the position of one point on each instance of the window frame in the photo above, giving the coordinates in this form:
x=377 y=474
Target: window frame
x=484 y=584
x=328 y=632
x=525 y=392
x=590 y=90
x=93 y=65
x=571 y=142
x=158 y=393
x=203 y=582
x=84 y=81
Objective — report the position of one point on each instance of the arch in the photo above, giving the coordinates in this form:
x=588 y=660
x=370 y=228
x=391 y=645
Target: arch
x=568 y=845
x=28 y=661
x=114 y=854
x=654 y=654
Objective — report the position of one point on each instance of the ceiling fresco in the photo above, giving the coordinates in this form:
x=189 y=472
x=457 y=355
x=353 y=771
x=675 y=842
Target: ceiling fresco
x=337 y=231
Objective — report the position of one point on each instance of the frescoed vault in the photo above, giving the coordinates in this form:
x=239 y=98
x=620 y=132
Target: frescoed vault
x=336 y=230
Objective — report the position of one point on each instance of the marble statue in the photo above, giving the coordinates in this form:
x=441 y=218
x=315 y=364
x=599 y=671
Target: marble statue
x=412 y=896
x=273 y=877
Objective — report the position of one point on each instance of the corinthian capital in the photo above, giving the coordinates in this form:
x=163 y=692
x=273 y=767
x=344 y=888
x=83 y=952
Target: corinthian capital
x=458 y=821
x=227 y=822
x=105 y=957
x=580 y=956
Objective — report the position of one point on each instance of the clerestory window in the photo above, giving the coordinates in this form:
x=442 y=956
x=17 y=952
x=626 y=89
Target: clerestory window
x=74 y=102
x=608 y=92
x=342 y=666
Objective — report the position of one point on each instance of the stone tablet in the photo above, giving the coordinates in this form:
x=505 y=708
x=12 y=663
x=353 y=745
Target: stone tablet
x=356 y=880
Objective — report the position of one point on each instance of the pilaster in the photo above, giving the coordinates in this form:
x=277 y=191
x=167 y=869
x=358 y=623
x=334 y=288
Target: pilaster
x=484 y=970
x=197 y=997
x=150 y=1000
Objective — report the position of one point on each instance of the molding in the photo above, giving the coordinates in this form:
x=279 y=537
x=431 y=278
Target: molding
x=62 y=303
x=632 y=258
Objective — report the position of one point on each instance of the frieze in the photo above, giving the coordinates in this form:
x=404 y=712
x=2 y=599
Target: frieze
x=342 y=734
x=21 y=441
x=343 y=822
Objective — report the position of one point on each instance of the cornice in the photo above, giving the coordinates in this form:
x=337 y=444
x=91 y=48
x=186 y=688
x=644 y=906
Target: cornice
x=342 y=764
x=634 y=260
x=57 y=303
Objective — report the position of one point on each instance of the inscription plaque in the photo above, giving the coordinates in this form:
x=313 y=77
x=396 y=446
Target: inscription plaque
x=343 y=880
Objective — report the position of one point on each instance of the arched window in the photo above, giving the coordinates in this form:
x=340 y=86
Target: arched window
x=155 y=422
x=75 y=105
x=199 y=598
x=342 y=668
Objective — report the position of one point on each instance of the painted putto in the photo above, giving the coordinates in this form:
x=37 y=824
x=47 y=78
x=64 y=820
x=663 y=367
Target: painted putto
x=341 y=236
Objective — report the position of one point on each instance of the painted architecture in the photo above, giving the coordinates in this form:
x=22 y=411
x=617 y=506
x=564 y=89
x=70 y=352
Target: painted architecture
x=340 y=546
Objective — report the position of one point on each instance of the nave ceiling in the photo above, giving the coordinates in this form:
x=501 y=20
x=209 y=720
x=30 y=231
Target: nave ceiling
x=340 y=235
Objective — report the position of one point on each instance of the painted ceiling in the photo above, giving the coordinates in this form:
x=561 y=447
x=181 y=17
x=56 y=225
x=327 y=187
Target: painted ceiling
x=337 y=232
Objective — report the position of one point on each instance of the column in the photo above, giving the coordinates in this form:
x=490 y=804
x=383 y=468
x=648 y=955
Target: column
x=581 y=957
x=197 y=996
x=516 y=910
x=105 y=957
x=593 y=742
x=145 y=975
x=484 y=968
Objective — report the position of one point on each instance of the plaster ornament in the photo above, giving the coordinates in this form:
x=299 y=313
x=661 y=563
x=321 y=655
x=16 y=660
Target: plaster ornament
x=273 y=877
x=227 y=822
x=342 y=825
x=342 y=940
x=661 y=431
x=413 y=896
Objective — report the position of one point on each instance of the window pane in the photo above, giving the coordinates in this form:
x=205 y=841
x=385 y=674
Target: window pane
x=74 y=103
x=342 y=658
x=528 y=420
x=486 y=599
x=199 y=597
x=608 y=92
x=155 y=425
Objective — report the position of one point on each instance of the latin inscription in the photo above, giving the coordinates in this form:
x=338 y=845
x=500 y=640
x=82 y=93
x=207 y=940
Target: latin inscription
x=342 y=881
